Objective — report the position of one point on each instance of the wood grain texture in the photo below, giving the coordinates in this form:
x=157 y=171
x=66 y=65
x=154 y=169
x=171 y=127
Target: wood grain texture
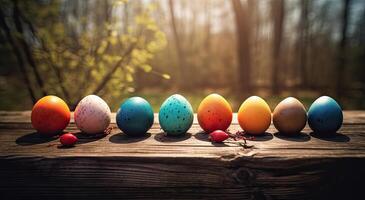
x=307 y=166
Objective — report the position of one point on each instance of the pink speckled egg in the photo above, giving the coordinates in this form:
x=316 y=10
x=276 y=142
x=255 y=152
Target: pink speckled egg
x=92 y=115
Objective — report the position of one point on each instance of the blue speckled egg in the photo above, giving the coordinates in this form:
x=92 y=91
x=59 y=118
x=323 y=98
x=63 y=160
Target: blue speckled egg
x=135 y=116
x=176 y=115
x=325 y=115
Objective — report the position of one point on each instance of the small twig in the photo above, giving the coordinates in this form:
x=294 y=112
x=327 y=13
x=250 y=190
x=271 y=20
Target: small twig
x=108 y=130
x=241 y=135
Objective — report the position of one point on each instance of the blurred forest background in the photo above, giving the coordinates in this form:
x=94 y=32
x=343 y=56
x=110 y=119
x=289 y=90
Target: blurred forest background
x=155 y=48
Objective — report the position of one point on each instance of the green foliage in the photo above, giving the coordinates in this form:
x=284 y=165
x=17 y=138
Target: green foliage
x=85 y=56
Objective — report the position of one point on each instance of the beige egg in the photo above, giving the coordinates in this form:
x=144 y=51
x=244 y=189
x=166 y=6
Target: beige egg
x=290 y=116
x=92 y=115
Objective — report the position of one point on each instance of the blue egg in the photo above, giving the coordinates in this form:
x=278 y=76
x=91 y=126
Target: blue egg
x=176 y=115
x=135 y=116
x=325 y=115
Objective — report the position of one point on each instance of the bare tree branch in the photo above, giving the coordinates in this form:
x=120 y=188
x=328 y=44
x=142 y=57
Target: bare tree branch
x=57 y=71
x=107 y=77
x=26 y=48
x=17 y=53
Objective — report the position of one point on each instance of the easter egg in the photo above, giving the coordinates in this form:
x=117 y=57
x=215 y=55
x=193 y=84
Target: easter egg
x=325 y=115
x=176 y=115
x=50 y=115
x=135 y=116
x=214 y=113
x=289 y=116
x=254 y=115
x=92 y=115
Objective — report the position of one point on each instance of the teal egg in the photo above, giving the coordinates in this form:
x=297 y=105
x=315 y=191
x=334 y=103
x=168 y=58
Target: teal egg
x=176 y=115
x=325 y=115
x=135 y=116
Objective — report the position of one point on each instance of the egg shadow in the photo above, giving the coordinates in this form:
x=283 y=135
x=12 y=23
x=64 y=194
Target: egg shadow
x=34 y=138
x=202 y=136
x=83 y=138
x=162 y=137
x=65 y=147
x=299 y=137
x=264 y=137
x=332 y=137
x=122 y=138
x=219 y=144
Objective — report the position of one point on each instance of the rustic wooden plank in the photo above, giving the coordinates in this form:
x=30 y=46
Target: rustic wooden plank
x=348 y=141
x=190 y=167
x=180 y=178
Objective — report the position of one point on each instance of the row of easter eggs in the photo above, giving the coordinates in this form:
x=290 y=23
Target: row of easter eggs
x=51 y=115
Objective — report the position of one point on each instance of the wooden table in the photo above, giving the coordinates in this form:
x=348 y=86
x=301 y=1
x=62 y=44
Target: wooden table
x=157 y=167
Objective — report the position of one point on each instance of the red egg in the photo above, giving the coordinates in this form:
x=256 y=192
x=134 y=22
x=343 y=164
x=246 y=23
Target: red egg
x=50 y=115
x=214 y=113
x=218 y=136
x=68 y=139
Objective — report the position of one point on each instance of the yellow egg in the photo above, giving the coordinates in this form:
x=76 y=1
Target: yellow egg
x=254 y=115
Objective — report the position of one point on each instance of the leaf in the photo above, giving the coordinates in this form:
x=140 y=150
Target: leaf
x=151 y=7
x=120 y=2
x=89 y=60
x=73 y=64
x=67 y=54
x=113 y=40
x=146 y=68
x=114 y=33
x=129 y=77
x=130 y=69
x=102 y=47
x=131 y=89
x=166 y=76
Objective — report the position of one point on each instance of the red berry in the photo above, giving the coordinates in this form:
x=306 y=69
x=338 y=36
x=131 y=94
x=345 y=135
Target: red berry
x=218 y=136
x=68 y=139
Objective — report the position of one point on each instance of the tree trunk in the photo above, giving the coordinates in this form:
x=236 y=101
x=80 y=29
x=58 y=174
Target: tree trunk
x=277 y=11
x=303 y=40
x=342 y=50
x=180 y=52
x=243 y=85
x=208 y=34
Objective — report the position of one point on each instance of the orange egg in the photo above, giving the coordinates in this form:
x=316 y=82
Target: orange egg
x=254 y=115
x=50 y=115
x=214 y=113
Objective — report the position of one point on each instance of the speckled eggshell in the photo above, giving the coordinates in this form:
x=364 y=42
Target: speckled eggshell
x=135 y=116
x=214 y=113
x=92 y=115
x=325 y=115
x=289 y=116
x=176 y=115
